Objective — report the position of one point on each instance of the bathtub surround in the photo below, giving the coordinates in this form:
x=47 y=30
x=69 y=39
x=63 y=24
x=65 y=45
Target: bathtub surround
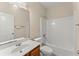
x=61 y=36
x=60 y=29
x=62 y=33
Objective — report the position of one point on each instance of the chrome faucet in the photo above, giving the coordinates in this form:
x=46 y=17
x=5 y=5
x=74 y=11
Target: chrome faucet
x=19 y=44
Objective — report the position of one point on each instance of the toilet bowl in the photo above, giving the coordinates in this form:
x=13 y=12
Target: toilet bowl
x=44 y=49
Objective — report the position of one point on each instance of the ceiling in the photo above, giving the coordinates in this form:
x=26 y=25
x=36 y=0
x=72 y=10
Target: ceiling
x=50 y=4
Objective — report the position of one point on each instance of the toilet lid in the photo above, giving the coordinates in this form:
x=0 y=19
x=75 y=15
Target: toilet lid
x=46 y=49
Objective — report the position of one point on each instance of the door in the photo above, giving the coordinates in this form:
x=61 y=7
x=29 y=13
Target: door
x=43 y=33
x=6 y=27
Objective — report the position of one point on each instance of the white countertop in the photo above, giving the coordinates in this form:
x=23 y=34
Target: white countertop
x=12 y=51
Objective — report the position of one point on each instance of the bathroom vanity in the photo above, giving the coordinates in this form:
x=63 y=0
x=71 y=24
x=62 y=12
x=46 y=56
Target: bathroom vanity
x=34 y=52
x=27 y=48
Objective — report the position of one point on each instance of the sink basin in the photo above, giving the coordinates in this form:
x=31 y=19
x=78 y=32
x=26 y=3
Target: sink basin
x=20 y=49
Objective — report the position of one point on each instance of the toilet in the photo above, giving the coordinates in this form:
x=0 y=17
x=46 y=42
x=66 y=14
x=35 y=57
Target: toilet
x=44 y=49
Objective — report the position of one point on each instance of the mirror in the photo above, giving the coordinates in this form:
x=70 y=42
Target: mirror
x=14 y=22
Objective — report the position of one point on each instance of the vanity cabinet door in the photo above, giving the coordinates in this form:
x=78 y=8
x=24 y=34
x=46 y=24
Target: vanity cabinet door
x=35 y=52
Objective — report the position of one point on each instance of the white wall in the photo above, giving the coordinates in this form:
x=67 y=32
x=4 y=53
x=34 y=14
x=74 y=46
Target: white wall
x=36 y=12
x=59 y=11
x=76 y=17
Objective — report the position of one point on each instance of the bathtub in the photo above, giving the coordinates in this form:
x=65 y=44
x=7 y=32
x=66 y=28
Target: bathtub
x=58 y=51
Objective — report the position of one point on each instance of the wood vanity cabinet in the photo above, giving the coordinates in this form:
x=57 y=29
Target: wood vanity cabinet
x=34 y=52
